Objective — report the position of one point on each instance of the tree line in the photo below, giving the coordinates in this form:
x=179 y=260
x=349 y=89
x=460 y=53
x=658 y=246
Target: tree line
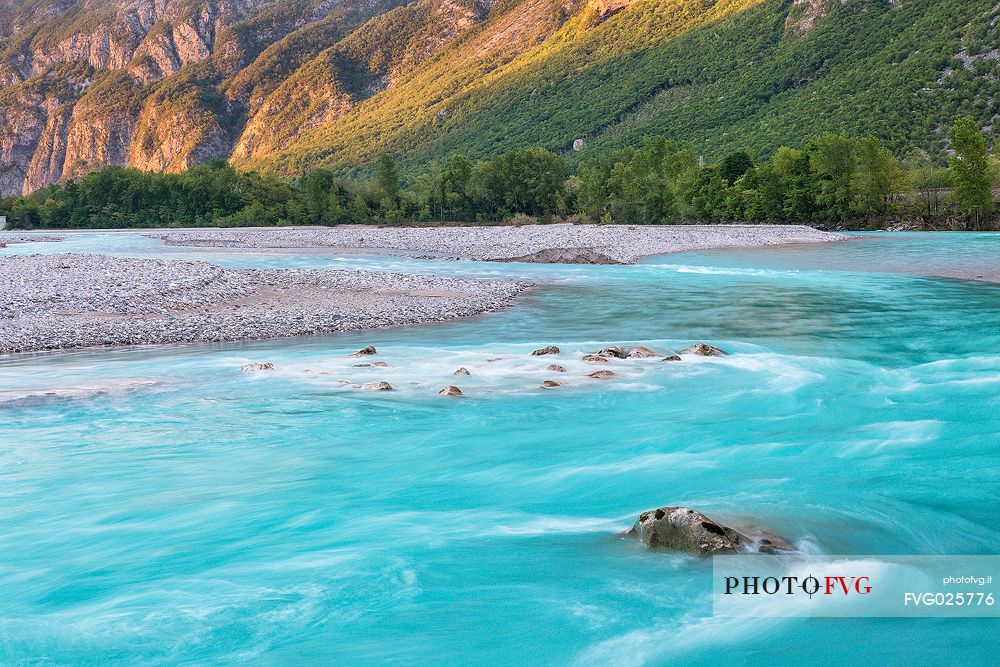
x=833 y=179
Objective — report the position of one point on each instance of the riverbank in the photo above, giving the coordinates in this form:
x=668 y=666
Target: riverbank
x=591 y=243
x=7 y=238
x=69 y=300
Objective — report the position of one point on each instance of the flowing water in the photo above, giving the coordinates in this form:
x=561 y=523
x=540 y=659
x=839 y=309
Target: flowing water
x=159 y=506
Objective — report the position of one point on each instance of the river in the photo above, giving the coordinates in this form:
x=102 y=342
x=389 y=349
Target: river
x=161 y=507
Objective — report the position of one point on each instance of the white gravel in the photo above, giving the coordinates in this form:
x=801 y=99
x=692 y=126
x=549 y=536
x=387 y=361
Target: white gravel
x=69 y=300
x=10 y=238
x=622 y=243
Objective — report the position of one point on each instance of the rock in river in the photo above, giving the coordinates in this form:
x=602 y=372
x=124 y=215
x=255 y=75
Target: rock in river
x=566 y=256
x=462 y=371
x=641 y=352
x=552 y=384
x=366 y=351
x=705 y=350
x=555 y=368
x=551 y=349
x=690 y=531
x=672 y=357
x=377 y=386
x=601 y=375
x=595 y=358
x=263 y=366
x=450 y=390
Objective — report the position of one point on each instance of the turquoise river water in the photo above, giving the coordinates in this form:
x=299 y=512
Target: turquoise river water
x=169 y=509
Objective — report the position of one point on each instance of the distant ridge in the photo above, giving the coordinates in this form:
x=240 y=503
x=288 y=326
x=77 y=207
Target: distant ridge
x=287 y=85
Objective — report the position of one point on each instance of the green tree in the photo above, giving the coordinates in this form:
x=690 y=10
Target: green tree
x=879 y=178
x=833 y=160
x=794 y=169
x=316 y=187
x=970 y=170
x=735 y=165
x=530 y=181
x=928 y=180
x=387 y=182
x=706 y=198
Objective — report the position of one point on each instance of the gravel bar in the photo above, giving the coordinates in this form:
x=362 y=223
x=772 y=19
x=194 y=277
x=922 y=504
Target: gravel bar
x=7 y=238
x=70 y=300
x=619 y=243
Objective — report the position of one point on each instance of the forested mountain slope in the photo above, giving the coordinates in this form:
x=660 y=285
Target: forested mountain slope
x=287 y=85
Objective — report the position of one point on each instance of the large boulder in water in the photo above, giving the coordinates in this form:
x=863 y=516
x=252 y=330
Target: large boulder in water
x=566 y=256
x=258 y=366
x=551 y=349
x=690 y=531
x=377 y=386
x=705 y=350
x=619 y=352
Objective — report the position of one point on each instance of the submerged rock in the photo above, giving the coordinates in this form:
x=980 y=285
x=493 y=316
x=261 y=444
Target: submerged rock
x=366 y=351
x=462 y=371
x=377 y=386
x=690 y=531
x=262 y=366
x=374 y=364
x=705 y=350
x=641 y=352
x=601 y=375
x=556 y=368
x=551 y=349
x=552 y=384
x=595 y=358
x=672 y=357
x=450 y=390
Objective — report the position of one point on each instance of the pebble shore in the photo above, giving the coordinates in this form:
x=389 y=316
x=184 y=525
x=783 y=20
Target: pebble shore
x=620 y=243
x=70 y=300
x=8 y=238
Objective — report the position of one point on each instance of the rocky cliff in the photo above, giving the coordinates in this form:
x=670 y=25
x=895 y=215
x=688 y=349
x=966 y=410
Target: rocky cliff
x=164 y=84
x=142 y=83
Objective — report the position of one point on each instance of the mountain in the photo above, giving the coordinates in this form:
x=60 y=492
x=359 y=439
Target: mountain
x=288 y=85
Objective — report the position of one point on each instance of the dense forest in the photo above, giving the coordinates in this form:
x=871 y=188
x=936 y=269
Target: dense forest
x=834 y=180
x=723 y=75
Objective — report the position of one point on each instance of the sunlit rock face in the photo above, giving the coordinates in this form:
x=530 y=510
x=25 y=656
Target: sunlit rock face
x=806 y=14
x=162 y=85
